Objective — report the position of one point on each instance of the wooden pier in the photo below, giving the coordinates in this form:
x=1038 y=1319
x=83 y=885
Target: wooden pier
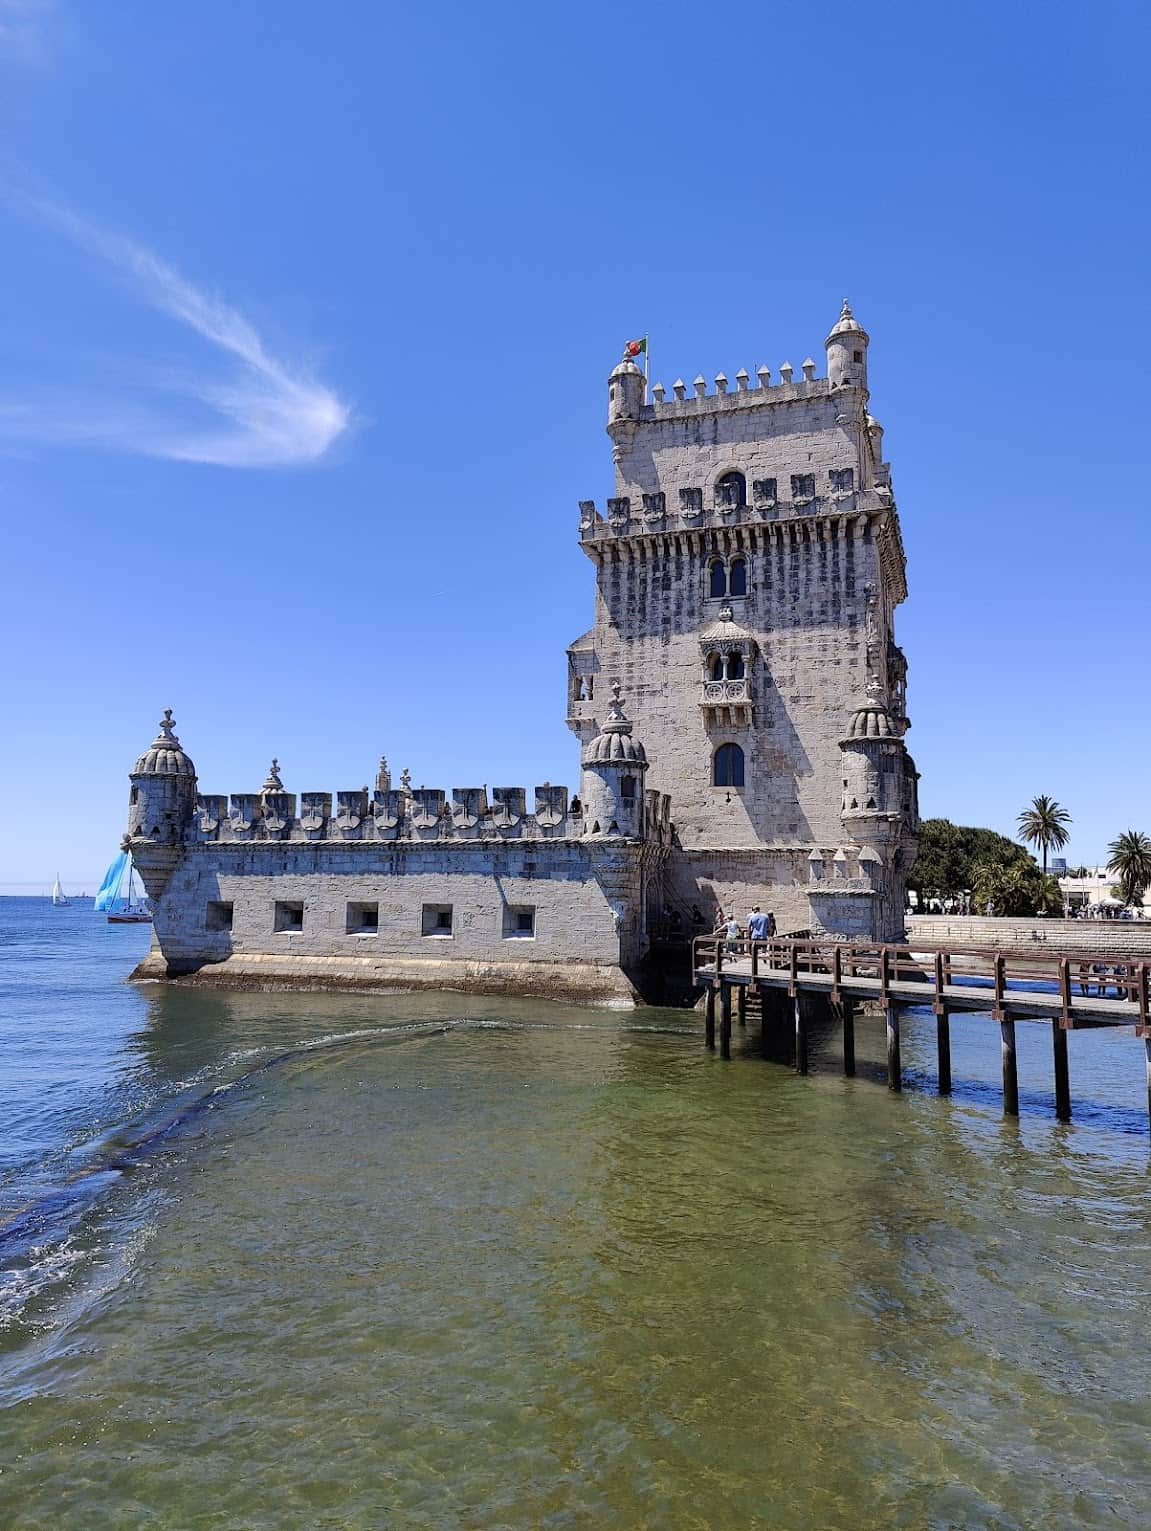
x=1069 y=990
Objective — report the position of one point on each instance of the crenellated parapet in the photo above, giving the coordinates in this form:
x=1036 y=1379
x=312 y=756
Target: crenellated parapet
x=420 y=814
x=782 y=498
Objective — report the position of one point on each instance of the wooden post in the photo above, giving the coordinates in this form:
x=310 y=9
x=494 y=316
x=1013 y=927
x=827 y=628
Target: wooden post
x=741 y=1003
x=1147 y=1047
x=709 y=1017
x=725 y=1022
x=943 y=1049
x=1010 y=1067
x=1062 y=1081
x=894 y=1065
x=800 y=1037
x=848 y=1036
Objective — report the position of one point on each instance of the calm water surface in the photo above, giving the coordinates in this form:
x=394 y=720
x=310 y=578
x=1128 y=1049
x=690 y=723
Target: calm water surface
x=303 y=1261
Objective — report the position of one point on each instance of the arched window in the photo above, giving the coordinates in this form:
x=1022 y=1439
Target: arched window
x=731 y=490
x=737 y=581
x=735 y=667
x=718 y=578
x=717 y=667
x=727 y=768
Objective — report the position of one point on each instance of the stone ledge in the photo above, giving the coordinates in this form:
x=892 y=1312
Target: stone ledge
x=584 y=983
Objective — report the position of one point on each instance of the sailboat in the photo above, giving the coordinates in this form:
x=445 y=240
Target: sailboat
x=119 y=897
x=58 y=897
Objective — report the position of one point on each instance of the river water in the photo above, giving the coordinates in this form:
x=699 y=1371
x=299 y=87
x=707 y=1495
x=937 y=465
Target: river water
x=301 y=1261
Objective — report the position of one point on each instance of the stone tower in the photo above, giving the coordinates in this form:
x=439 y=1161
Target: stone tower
x=161 y=803
x=748 y=568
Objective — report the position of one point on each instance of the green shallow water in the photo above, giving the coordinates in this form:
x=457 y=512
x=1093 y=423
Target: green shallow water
x=476 y=1263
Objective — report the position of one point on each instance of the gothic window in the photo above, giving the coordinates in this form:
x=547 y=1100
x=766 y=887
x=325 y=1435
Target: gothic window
x=718 y=585
x=735 y=667
x=737 y=577
x=803 y=486
x=843 y=479
x=717 y=667
x=627 y=786
x=731 y=491
x=727 y=767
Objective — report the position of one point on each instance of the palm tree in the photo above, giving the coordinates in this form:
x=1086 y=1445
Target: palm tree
x=1131 y=863
x=1043 y=824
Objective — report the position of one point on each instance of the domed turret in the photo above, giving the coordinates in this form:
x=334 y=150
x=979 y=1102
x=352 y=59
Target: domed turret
x=611 y=779
x=163 y=788
x=626 y=387
x=847 y=351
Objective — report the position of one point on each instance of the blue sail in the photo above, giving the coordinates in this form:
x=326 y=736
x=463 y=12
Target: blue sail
x=110 y=896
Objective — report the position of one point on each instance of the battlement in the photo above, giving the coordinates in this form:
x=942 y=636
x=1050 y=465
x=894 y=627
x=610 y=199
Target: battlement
x=695 y=399
x=409 y=814
x=769 y=499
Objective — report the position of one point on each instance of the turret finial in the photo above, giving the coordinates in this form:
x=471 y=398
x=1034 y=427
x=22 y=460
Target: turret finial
x=383 y=776
x=616 y=722
x=273 y=783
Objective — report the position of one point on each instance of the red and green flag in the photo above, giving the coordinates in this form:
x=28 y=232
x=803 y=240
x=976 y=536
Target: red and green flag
x=636 y=347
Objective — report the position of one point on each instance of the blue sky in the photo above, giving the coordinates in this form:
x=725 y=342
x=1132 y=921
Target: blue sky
x=305 y=319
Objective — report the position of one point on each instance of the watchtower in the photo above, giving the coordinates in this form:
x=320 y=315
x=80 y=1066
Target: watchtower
x=748 y=566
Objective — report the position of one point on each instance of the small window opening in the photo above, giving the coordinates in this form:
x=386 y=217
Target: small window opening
x=728 y=766
x=857 y=355
x=289 y=915
x=362 y=919
x=627 y=786
x=718 y=578
x=519 y=922
x=217 y=915
x=436 y=920
x=735 y=667
x=135 y=795
x=737 y=579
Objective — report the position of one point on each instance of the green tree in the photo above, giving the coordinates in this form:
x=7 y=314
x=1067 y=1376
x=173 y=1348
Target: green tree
x=1044 y=824
x=1016 y=889
x=949 y=854
x=1131 y=863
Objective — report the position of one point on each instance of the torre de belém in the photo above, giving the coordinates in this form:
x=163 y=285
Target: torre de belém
x=740 y=703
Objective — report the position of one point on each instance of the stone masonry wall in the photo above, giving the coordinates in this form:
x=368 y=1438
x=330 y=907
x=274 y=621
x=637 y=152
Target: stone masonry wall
x=587 y=902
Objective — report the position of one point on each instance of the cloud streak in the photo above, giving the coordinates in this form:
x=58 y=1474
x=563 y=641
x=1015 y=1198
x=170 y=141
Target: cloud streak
x=268 y=413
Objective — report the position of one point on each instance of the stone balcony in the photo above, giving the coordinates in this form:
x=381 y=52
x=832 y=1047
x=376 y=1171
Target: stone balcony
x=726 y=701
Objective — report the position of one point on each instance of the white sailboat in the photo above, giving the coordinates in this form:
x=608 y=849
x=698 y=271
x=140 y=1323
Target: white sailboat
x=58 y=897
x=118 y=897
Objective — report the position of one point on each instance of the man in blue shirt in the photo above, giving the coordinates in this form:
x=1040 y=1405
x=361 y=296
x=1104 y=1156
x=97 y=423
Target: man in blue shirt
x=758 y=924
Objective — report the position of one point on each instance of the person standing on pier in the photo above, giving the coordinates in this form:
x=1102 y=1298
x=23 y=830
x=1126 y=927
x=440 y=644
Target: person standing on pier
x=758 y=924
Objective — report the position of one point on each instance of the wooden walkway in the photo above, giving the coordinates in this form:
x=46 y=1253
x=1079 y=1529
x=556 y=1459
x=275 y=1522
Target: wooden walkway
x=1071 y=990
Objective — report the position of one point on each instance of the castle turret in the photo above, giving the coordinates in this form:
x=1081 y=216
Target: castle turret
x=847 y=351
x=611 y=778
x=163 y=793
x=874 y=770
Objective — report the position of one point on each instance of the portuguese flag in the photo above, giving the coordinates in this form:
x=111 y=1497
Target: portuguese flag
x=635 y=347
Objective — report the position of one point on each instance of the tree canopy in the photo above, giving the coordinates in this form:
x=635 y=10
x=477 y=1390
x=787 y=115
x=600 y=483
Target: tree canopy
x=1131 y=863
x=949 y=854
x=1044 y=824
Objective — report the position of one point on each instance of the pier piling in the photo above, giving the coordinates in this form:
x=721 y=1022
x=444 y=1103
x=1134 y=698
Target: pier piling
x=709 y=1017
x=1010 y=1066
x=848 y=1039
x=1062 y=1078
x=741 y=1004
x=800 y=1037
x=894 y=1063
x=725 y=1022
x=943 y=1049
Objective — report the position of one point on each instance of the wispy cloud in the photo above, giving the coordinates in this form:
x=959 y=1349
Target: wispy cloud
x=22 y=29
x=270 y=414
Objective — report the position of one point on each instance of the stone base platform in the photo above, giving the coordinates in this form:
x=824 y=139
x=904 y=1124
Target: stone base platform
x=580 y=983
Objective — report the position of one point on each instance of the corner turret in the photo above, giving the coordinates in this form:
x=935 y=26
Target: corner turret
x=611 y=776
x=163 y=792
x=847 y=351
